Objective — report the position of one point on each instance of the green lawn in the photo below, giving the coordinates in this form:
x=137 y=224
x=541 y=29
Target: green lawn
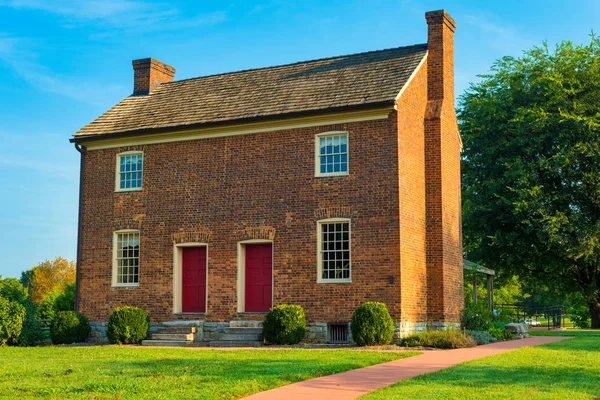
x=152 y=373
x=565 y=333
x=564 y=370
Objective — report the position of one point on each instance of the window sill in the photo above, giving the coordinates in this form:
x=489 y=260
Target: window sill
x=335 y=281
x=332 y=174
x=128 y=190
x=125 y=286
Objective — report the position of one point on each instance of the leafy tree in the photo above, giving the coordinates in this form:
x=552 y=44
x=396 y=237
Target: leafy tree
x=50 y=276
x=26 y=277
x=531 y=129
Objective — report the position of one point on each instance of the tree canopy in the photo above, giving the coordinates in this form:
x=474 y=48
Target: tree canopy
x=531 y=164
x=51 y=276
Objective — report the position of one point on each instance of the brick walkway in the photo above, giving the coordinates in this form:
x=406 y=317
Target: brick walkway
x=353 y=384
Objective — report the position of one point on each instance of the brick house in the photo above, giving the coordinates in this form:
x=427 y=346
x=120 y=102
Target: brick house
x=324 y=183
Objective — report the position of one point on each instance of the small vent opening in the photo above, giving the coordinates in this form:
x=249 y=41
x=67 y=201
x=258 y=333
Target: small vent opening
x=338 y=333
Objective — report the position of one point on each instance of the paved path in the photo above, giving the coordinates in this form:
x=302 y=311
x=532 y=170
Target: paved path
x=353 y=384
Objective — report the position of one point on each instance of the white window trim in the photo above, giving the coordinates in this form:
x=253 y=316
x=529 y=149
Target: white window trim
x=118 y=175
x=178 y=276
x=115 y=266
x=320 y=223
x=318 y=158
x=241 y=273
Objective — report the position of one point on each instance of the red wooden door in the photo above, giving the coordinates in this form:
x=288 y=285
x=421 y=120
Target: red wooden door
x=193 y=298
x=259 y=277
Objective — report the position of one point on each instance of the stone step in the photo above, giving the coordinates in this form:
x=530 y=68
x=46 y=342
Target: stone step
x=177 y=329
x=242 y=337
x=256 y=331
x=160 y=343
x=245 y=324
x=235 y=343
x=173 y=336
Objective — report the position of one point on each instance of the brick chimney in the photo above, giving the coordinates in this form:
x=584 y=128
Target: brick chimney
x=148 y=73
x=442 y=177
x=440 y=62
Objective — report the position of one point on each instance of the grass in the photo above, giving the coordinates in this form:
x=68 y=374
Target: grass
x=150 y=373
x=569 y=369
x=565 y=333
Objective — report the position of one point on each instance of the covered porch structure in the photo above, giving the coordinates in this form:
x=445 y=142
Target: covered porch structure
x=489 y=274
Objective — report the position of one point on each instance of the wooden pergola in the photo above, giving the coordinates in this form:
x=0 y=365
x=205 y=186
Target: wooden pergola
x=489 y=273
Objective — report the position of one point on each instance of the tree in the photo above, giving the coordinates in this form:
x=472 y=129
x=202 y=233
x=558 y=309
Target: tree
x=26 y=277
x=531 y=130
x=51 y=276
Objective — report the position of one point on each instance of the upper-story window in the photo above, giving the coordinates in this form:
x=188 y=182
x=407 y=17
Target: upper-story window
x=130 y=167
x=331 y=154
x=333 y=241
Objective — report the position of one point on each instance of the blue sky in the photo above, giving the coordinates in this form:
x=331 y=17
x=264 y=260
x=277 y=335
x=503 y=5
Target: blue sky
x=64 y=62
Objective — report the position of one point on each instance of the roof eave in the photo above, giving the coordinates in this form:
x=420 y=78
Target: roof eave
x=146 y=131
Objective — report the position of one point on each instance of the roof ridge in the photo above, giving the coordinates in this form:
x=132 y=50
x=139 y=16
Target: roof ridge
x=294 y=63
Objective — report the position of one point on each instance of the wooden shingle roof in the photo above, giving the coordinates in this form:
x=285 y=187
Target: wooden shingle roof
x=342 y=82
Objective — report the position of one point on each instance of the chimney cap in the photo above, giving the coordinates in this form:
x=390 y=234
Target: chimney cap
x=153 y=63
x=438 y=16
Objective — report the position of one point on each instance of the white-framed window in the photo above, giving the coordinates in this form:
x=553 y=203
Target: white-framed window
x=331 y=154
x=130 y=166
x=333 y=250
x=126 y=258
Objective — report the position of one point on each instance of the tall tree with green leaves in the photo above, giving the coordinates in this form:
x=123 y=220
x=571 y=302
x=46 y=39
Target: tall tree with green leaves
x=531 y=168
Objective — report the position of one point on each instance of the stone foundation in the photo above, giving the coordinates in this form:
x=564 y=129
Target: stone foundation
x=316 y=332
x=99 y=329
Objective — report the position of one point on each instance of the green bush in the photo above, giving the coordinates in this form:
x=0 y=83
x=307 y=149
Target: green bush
x=69 y=327
x=500 y=333
x=32 y=332
x=13 y=290
x=476 y=317
x=372 y=325
x=579 y=315
x=46 y=309
x=12 y=315
x=481 y=337
x=284 y=324
x=450 y=339
x=65 y=300
x=128 y=325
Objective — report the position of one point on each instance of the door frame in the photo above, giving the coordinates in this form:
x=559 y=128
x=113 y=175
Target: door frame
x=177 y=276
x=241 y=273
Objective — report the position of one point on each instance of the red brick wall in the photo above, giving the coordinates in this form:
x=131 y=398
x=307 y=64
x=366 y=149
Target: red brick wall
x=411 y=112
x=219 y=186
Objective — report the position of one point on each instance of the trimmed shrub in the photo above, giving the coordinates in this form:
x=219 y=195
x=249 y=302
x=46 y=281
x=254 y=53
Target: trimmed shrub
x=476 y=317
x=372 y=325
x=284 y=324
x=450 y=339
x=128 y=325
x=481 y=337
x=500 y=333
x=69 y=327
x=12 y=315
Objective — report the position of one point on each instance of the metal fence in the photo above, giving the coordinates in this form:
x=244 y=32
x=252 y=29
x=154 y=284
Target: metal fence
x=552 y=317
